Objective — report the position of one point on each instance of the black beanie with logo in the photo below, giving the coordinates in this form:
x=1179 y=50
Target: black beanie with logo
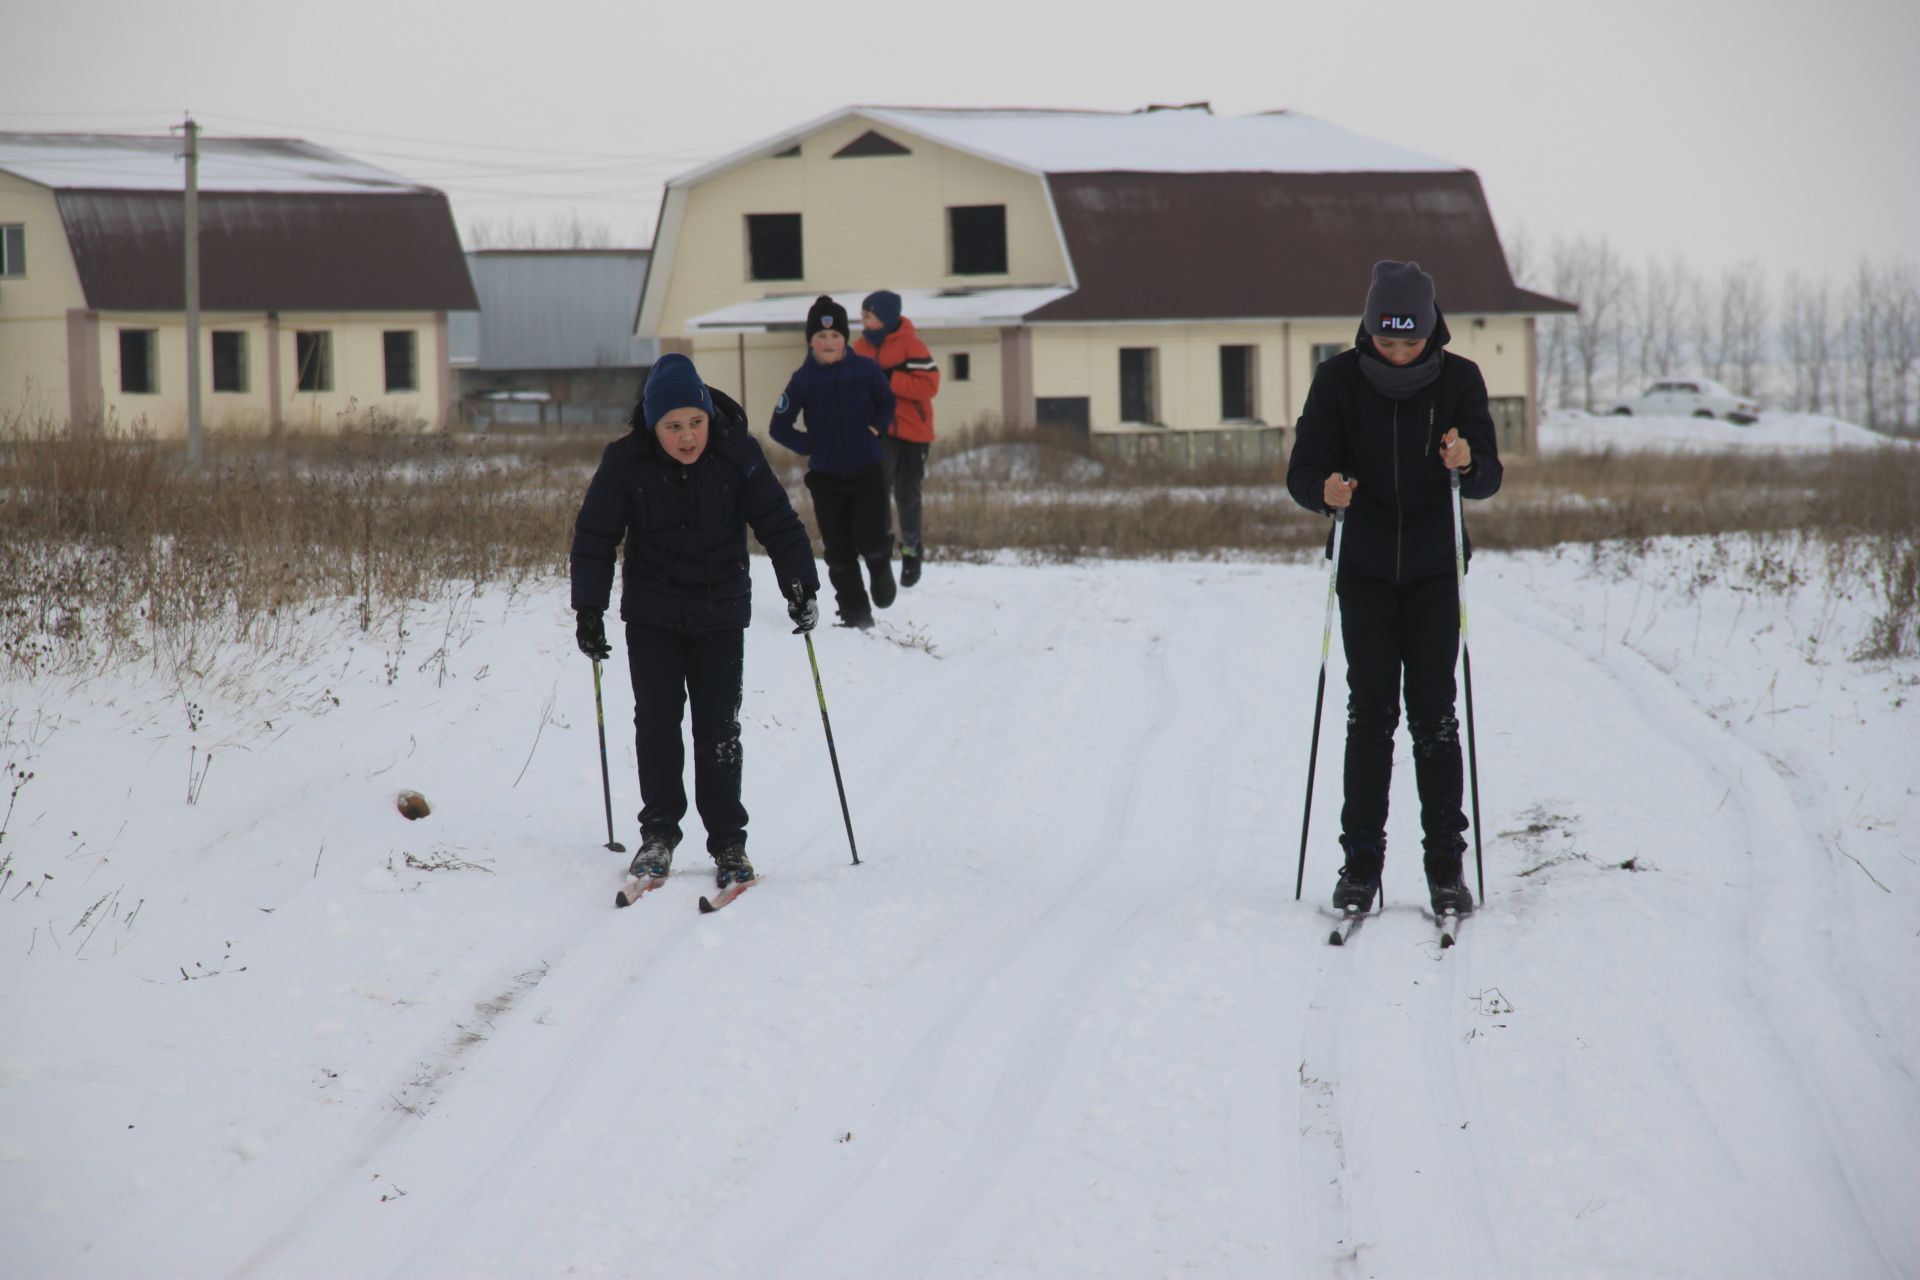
x=827 y=314
x=1399 y=301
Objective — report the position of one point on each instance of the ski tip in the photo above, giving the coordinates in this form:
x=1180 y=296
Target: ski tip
x=1336 y=939
x=620 y=899
x=706 y=907
x=1446 y=940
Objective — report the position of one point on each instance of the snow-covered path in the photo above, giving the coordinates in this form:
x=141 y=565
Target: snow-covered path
x=1065 y=1020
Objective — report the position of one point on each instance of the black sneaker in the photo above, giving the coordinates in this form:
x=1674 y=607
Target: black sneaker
x=1359 y=884
x=654 y=860
x=731 y=866
x=1445 y=886
x=880 y=570
x=909 y=568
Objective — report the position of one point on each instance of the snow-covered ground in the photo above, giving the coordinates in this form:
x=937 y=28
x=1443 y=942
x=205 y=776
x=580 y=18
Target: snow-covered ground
x=1066 y=1020
x=1569 y=430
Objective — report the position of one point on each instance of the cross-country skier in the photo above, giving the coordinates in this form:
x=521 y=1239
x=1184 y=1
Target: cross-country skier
x=888 y=338
x=680 y=490
x=1383 y=425
x=848 y=406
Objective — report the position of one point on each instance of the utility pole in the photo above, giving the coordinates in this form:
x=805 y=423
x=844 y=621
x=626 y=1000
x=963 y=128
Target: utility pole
x=193 y=290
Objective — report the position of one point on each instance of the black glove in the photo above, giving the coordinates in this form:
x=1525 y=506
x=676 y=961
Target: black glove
x=591 y=634
x=804 y=610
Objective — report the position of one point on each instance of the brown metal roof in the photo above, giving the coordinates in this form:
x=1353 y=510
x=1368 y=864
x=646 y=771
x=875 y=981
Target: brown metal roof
x=1191 y=246
x=306 y=251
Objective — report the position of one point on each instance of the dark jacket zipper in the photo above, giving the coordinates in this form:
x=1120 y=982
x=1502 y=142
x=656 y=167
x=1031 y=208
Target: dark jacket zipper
x=1399 y=514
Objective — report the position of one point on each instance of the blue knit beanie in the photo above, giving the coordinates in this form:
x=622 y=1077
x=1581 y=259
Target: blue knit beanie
x=885 y=304
x=673 y=383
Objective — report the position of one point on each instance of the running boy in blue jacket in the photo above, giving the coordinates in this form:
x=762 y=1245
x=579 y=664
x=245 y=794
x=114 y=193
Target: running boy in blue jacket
x=847 y=405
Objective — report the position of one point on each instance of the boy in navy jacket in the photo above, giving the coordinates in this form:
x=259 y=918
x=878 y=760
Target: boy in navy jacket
x=847 y=405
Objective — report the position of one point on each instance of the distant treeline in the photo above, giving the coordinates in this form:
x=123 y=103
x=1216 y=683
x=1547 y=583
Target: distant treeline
x=1850 y=349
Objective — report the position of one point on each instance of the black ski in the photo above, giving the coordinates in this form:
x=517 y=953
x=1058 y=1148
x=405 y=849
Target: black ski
x=1349 y=925
x=1448 y=922
x=710 y=905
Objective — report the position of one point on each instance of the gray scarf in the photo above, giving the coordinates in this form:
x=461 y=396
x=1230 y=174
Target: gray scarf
x=1401 y=381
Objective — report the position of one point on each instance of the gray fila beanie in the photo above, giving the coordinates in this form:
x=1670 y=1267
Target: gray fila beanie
x=1399 y=301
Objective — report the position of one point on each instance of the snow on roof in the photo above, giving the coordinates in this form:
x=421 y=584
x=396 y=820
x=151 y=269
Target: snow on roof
x=116 y=162
x=927 y=308
x=1165 y=140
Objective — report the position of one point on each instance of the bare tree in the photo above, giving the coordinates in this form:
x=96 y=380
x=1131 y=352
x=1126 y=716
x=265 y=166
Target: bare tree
x=563 y=231
x=1796 y=338
x=1600 y=280
x=1864 y=327
x=1743 y=314
x=1901 y=301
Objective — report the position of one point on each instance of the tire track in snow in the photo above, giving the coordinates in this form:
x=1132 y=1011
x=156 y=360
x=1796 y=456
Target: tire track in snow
x=928 y=1105
x=1866 y=1125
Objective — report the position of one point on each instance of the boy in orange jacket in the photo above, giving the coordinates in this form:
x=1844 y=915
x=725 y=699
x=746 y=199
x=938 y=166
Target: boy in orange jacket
x=888 y=338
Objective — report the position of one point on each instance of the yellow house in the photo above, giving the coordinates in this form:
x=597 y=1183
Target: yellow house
x=1165 y=280
x=324 y=285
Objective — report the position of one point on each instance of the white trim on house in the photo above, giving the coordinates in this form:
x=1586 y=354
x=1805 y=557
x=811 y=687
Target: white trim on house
x=928 y=309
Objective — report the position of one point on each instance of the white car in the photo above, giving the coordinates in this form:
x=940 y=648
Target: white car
x=1689 y=398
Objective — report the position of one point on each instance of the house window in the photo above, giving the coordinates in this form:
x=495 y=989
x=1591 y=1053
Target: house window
x=1139 y=390
x=401 y=347
x=13 y=250
x=139 y=365
x=962 y=367
x=977 y=239
x=1325 y=351
x=1236 y=384
x=1072 y=412
x=229 y=360
x=773 y=247
x=313 y=356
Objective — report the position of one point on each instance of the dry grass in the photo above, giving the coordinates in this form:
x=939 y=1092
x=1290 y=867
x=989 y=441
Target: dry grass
x=116 y=548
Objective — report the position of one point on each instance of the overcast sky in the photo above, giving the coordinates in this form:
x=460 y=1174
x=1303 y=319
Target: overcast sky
x=1780 y=130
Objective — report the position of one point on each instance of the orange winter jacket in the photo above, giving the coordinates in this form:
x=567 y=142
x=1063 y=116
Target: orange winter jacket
x=914 y=376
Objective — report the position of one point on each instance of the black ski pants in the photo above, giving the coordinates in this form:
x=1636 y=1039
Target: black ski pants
x=855 y=524
x=669 y=669
x=906 y=470
x=1405 y=634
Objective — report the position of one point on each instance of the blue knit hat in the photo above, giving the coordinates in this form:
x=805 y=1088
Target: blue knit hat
x=885 y=304
x=673 y=383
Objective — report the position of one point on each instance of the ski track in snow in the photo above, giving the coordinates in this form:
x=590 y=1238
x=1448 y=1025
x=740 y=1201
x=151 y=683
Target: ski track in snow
x=1847 y=1096
x=1105 y=1041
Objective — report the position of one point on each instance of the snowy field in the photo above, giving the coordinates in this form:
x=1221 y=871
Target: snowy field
x=1066 y=1020
x=1569 y=431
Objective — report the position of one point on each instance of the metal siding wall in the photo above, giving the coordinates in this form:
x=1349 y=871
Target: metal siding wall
x=559 y=310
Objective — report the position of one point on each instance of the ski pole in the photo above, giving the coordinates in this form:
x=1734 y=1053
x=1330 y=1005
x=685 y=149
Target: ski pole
x=606 y=786
x=1466 y=672
x=1319 y=696
x=827 y=724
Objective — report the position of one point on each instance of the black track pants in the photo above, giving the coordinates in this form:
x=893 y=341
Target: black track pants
x=855 y=524
x=1396 y=636
x=670 y=668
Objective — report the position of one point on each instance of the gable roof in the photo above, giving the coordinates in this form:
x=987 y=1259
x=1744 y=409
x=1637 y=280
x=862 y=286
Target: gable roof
x=1175 y=213
x=123 y=162
x=284 y=225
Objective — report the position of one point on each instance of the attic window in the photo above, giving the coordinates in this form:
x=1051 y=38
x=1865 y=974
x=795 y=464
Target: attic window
x=13 y=250
x=773 y=247
x=790 y=153
x=871 y=144
x=977 y=240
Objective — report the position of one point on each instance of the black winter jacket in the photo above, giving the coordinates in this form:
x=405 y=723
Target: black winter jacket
x=1400 y=524
x=685 y=529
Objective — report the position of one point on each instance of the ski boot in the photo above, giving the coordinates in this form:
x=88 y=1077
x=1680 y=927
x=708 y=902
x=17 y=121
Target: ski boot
x=1359 y=882
x=909 y=566
x=880 y=570
x=1444 y=883
x=654 y=860
x=731 y=866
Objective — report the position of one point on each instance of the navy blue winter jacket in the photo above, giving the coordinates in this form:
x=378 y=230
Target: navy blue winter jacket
x=844 y=403
x=685 y=529
x=1400 y=525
